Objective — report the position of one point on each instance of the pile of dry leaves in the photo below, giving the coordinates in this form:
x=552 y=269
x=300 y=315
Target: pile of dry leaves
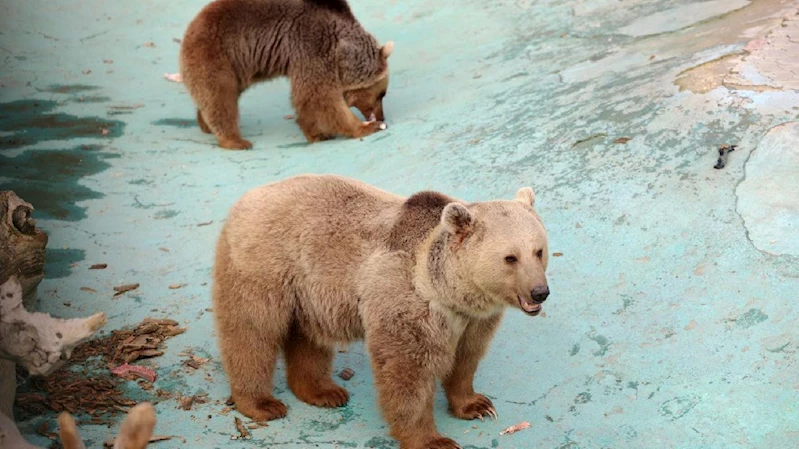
x=90 y=381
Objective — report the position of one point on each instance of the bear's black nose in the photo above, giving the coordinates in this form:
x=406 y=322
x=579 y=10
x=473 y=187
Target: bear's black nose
x=540 y=294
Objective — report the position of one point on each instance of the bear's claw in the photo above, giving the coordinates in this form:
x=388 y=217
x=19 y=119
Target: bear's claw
x=476 y=407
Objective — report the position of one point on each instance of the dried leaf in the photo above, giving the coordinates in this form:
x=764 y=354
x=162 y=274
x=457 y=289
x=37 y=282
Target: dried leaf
x=120 y=289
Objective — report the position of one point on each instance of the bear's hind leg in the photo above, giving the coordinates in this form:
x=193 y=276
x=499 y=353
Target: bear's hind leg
x=219 y=107
x=252 y=321
x=201 y=121
x=309 y=369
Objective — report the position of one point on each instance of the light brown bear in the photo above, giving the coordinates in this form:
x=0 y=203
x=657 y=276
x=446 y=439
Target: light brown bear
x=331 y=61
x=315 y=260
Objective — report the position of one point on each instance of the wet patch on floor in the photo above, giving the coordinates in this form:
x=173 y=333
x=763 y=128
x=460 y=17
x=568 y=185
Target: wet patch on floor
x=34 y=173
x=176 y=122
x=27 y=122
x=59 y=262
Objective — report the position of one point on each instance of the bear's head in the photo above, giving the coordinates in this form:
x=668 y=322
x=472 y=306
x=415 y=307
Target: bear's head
x=491 y=255
x=363 y=71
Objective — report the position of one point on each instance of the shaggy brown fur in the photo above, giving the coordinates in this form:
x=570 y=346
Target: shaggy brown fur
x=311 y=261
x=331 y=61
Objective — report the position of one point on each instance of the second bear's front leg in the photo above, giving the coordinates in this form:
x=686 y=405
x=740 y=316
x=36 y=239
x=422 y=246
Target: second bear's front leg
x=405 y=390
x=328 y=117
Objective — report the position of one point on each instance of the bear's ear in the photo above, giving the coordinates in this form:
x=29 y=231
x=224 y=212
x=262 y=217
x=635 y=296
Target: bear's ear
x=456 y=219
x=386 y=50
x=526 y=195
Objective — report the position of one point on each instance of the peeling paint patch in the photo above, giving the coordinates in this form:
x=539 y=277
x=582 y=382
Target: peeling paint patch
x=681 y=17
x=750 y=318
x=164 y=214
x=678 y=407
x=709 y=75
x=603 y=342
x=767 y=198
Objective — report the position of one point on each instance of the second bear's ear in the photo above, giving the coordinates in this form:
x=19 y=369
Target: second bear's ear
x=386 y=50
x=456 y=219
x=526 y=195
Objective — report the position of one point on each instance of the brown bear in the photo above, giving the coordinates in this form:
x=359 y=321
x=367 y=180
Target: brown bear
x=331 y=61
x=315 y=260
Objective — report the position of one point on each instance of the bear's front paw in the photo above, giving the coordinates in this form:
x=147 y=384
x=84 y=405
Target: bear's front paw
x=475 y=406
x=369 y=128
x=263 y=409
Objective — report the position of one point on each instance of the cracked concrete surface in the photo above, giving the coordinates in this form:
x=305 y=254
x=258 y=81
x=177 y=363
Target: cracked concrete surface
x=667 y=327
x=768 y=198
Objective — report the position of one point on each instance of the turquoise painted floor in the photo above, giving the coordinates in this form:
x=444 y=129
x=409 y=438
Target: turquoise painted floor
x=673 y=320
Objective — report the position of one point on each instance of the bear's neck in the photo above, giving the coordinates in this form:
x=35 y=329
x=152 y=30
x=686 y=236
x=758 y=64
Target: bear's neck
x=434 y=281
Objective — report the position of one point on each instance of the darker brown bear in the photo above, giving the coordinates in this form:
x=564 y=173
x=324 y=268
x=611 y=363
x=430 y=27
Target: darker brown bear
x=330 y=60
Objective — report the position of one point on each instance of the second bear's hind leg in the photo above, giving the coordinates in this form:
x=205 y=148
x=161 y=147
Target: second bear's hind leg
x=220 y=111
x=200 y=121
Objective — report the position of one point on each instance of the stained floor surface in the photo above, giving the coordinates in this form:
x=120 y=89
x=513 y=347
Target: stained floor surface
x=672 y=321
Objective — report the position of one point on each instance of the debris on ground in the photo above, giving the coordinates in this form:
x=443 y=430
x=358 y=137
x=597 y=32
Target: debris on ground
x=515 y=428
x=724 y=152
x=89 y=382
x=557 y=254
x=88 y=289
x=346 y=374
x=174 y=77
x=120 y=289
x=98 y=266
x=186 y=402
x=176 y=286
x=205 y=223
x=149 y=44
x=132 y=372
x=195 y=362
x=288 y=117
x=153 y=439
x=243 y=432
x=623 y=140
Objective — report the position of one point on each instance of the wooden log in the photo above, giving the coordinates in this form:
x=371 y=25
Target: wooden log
x=22 y=244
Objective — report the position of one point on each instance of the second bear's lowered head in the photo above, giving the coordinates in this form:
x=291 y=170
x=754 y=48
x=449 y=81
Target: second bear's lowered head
x=364 y=74
x=490 y=255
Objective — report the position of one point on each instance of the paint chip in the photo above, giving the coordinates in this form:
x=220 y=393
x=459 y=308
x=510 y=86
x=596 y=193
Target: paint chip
x=174 y=77
x=515 y=428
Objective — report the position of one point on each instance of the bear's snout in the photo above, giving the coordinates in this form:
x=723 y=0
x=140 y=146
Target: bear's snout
x=540 y=293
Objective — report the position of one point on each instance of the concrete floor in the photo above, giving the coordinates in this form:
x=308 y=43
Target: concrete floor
x=673 y=319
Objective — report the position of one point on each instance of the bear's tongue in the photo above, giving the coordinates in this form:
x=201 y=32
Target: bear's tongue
x=527 y=307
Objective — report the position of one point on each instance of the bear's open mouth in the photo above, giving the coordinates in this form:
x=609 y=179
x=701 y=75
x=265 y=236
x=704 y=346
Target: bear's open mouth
x=529 y=308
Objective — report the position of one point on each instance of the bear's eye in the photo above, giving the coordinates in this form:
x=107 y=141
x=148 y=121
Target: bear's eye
x=510 y=259
x=540 y=254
